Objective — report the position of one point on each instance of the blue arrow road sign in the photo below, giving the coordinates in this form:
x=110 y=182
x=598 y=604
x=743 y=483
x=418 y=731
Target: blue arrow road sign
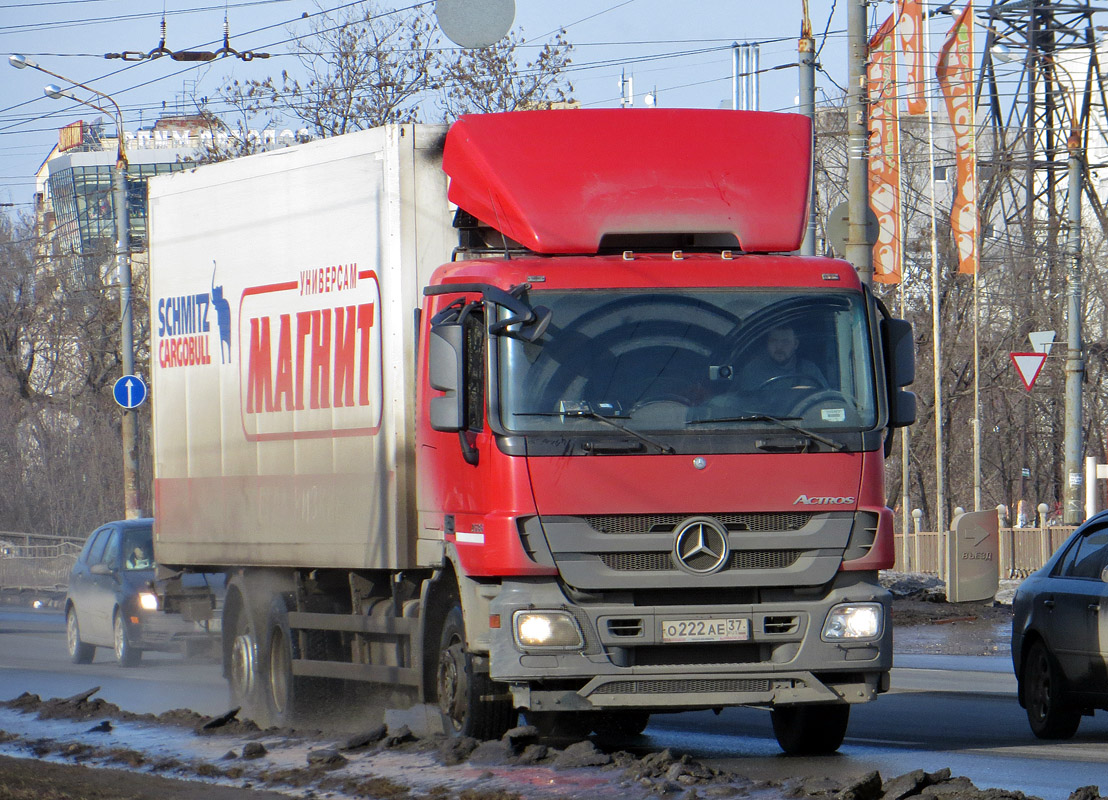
x=129 y=391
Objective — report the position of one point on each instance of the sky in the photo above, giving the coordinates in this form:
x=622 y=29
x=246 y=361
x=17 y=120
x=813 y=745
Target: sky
x=679 y=51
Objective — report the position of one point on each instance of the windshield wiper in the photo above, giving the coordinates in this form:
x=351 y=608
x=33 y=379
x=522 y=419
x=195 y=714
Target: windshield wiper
x=784 y=422
x=584 y=412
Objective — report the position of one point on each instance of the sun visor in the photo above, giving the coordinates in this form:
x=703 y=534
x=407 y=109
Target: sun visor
x=559 y=181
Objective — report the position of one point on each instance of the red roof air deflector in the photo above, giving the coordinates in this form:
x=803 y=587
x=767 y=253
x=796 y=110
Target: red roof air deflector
x=557 y=181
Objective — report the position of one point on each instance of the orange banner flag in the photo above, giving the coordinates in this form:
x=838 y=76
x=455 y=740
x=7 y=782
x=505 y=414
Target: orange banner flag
x=955 y=73
x=910 y=29
x=884 y=152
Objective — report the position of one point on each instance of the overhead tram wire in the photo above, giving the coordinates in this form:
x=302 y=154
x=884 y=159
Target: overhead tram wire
x=195 y=65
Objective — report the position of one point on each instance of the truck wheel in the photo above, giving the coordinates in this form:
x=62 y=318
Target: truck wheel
x=79 y=652
x=619 y=724
x=1048 y=711
x=126 y=655
x=804 y=730
x=289 y=698
x=472 y=703
x=242 y=661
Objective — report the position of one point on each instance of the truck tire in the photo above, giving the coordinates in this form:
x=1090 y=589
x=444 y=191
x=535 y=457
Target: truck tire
x=242 y=666
x=280 y=687
x=804 y=730
x=471 y=703
x=125 y=654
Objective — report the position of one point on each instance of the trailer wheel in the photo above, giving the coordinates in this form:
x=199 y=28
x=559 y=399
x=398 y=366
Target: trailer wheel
x=471 y=703
x=283 y=693
x=242 y=663
x=810 y=729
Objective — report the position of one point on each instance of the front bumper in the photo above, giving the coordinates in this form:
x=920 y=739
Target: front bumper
x=169 y=633
x=625 y=663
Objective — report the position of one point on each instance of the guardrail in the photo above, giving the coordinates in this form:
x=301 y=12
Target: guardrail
x=1021 y=550
x=34 y=561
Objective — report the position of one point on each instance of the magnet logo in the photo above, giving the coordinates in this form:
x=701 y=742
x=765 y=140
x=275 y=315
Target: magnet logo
x=805 y=500
x=310 y=363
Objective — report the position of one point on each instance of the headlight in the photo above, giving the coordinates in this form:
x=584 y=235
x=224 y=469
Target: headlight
x=854 y=621
x=148 y=601
x=547 y=629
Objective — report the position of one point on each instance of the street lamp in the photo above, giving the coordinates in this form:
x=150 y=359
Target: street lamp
x=123 y=265
x=1075 y=364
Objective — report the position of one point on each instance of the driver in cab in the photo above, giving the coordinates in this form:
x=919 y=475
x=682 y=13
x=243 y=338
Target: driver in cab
x=779 y=367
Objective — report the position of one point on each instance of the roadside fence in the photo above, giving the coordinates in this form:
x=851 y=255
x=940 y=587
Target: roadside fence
x=37 y=561
x=1021 y=550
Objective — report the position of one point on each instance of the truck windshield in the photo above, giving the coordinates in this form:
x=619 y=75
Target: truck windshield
x=694 y=361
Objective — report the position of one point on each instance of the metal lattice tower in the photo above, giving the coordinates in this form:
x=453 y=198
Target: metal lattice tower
x=1050 y=89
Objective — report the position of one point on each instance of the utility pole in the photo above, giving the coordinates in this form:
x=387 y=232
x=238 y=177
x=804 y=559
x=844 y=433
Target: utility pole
x=859 y=251
x=132 y=510
x=1075 y=364
x=807 y=60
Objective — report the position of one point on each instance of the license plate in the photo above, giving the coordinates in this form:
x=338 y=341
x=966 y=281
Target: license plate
x=732 y=629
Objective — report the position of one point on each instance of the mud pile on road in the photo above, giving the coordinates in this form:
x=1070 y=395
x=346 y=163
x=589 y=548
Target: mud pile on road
x=394 y=763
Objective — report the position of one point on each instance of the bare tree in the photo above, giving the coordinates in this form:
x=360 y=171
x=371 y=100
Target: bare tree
x=363 y=67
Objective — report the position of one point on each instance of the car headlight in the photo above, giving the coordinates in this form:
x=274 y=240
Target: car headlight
x=148 y=601
x=854 y=622
x=547 y=629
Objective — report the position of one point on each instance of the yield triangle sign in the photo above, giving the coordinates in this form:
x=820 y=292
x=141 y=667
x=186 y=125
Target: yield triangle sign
x=1028 y=365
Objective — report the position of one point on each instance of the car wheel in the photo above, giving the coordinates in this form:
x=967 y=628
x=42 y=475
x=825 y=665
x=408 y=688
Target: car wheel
x=804 y=730
x=79 y=652
x=1049 y=712
x=125 y=654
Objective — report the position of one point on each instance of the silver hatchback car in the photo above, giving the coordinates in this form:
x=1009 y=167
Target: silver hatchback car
x=111 y=600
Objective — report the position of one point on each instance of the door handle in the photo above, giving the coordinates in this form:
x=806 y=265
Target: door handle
x=1094 y=606
x=1048 y=604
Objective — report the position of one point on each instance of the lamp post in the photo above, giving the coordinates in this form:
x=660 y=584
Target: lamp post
x=123 y=265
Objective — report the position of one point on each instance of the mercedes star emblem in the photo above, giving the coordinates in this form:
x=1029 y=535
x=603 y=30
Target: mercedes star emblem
x=701 y=545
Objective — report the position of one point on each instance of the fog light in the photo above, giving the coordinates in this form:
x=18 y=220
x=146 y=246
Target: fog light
x=148 y=601
x=854 y=621
x=547 y=629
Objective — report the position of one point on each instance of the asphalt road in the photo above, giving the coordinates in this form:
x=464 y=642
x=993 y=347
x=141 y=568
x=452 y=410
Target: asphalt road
x=944 y=711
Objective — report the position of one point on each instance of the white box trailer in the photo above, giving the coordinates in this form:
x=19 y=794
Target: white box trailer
x=283 y=422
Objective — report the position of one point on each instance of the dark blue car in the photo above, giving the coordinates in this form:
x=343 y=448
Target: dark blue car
x=112 y=601
x=1060 y=634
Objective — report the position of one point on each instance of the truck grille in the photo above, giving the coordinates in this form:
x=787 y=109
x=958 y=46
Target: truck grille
x=667 y=523
x=685 y=686
x=740 y=559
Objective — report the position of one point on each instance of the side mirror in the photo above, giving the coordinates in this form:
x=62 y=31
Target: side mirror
x=902 y=408
x=900 y=355
x=444 y=373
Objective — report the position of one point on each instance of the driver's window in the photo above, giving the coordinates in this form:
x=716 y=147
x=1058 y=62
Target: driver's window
x=474 y=366
x=781 y=358
x=111 y=552
x=1089 y=558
